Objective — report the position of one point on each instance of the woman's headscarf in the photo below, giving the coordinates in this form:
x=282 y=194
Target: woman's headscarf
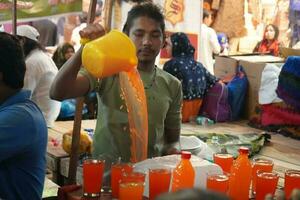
x=59 y=55
x=194 y=77
x=181 y=45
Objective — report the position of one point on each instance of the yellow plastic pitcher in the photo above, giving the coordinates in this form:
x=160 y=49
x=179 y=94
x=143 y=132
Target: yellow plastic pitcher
x=110 y=54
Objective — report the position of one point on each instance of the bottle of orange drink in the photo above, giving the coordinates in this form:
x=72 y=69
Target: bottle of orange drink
x=184 y=173
x=240 y=176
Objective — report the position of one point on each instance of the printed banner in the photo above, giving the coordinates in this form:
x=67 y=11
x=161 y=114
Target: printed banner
x=182 y=16
x=30 y=9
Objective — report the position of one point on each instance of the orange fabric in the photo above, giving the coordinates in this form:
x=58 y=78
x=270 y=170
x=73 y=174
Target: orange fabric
x=190 y=109
x=266 y=47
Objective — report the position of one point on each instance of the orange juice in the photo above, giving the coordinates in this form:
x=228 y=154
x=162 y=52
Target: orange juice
x=291 y=182
x=217 y=183
x=159 y=182
x=92 y=177
x=260 y=164
x=224 y=160
x=131 y=191
x=240 y=176
x=116 y=171
x=184 y=173
x=266 y=184
x=132 y=177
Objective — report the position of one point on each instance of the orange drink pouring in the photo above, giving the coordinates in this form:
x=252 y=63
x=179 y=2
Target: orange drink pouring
x=266 y=183
x=131 y=190
x=218 y=182
x=116 y=171
x=260 y=164
x=291 y=182
x=159 y=182
x=92 y=177
x=224 y=160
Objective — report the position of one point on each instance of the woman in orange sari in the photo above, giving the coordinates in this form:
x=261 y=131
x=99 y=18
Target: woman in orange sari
x=269 y=44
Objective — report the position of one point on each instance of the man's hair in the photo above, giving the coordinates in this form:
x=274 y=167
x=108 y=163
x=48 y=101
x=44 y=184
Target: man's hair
x=206 y=14
x=12 y=62
x=144 y=10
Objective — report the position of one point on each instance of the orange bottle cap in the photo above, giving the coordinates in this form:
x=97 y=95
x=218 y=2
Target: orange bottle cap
x=186 y=154
x=244 y=150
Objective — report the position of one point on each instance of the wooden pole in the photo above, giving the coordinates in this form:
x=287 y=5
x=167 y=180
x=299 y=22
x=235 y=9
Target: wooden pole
x=14 y=17
x=74 y=156
x=108 y=7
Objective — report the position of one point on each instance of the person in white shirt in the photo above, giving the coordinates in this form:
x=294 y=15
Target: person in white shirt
x=40 y=73
x=75 y=37
x=208 y=42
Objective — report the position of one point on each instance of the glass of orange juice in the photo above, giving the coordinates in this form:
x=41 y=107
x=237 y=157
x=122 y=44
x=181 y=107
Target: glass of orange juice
x=218 y=182
x=266 y=183
x=159 y=182
x=291 y=181
x=224 y=160
x=116 y=171
x=260 y=164
x=131 y=190
x=132 y=177
x=92 y=177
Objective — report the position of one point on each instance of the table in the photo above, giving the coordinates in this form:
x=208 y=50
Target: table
x=284 y=151
x=55 y=152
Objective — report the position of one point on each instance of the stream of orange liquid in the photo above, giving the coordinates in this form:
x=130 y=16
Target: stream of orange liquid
x=132 y=89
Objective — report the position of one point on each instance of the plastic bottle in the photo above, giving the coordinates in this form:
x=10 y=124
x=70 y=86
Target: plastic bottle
x=184 y=173
x=203 y=121
x=240 y=177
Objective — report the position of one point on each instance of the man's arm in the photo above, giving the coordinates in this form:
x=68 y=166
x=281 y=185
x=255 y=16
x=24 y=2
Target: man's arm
x=172 y=145
x=214 y=41
x=68 y=83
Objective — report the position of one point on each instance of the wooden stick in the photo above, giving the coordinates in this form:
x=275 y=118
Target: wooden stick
x=14 y=17
x=74 y=156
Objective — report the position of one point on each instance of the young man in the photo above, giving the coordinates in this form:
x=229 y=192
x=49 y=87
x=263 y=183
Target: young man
x=208 y=42
x=145 y=27
x=23 y=131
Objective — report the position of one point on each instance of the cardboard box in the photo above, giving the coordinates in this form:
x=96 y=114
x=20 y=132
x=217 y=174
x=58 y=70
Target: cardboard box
x=224 y=66
x=253 y=66
x=286 y=52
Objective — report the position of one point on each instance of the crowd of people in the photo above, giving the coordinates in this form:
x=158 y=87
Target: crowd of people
x=32 y=84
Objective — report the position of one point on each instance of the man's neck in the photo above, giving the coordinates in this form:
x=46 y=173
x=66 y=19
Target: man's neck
x=206 y=24
x=6 y=93
x=146 y=66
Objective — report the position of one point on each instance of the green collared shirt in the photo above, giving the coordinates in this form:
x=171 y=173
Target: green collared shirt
x=164 y=98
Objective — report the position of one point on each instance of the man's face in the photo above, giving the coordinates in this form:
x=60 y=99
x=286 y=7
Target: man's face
x=208 y=20
x=148 y=38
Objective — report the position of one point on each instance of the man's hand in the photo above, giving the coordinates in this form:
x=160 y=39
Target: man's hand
x=92 y=31
x=171 y=151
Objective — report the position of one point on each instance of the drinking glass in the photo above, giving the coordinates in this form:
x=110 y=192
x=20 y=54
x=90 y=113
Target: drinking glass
x=266 y=183
x=159 y=182
x=218 y=182
x=92 y=177
x=291 y=181
x=260 y=164
x=224 y=160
